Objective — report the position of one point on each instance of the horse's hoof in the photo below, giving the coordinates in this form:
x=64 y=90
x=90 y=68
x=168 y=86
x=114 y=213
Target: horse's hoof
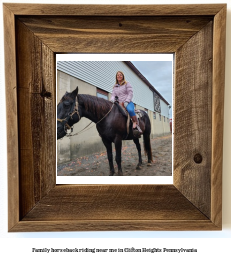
x=120 y=173
x=149 y=164
x=138 y=166
x=111 y=173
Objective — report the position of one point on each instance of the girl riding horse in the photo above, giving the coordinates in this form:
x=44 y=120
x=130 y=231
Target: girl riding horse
x=123 y=90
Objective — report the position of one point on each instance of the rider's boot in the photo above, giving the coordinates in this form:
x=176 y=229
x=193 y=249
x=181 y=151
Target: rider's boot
x=136 y=126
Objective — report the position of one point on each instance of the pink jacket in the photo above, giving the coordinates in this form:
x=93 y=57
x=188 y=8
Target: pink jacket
x=124 y=92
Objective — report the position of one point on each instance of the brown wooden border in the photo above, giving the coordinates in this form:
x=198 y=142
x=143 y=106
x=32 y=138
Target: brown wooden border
x=33 y=34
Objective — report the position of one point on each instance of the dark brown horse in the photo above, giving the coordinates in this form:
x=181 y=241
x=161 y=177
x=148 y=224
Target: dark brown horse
x=110 y=123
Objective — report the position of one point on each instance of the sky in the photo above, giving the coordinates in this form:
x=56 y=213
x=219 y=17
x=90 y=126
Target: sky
x=159 y=74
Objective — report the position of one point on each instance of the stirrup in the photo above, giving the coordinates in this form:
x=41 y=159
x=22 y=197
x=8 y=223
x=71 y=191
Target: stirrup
x=136 y=133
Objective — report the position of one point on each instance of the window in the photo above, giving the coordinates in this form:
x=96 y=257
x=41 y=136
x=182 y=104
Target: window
x=154 y=115
x=164 y=118
x=102 y=94
x=160 y=116
x=157 y=106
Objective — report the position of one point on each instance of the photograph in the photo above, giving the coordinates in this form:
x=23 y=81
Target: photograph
x=114 y=118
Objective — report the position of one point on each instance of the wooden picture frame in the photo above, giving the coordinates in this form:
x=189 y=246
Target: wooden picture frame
x=34 y=34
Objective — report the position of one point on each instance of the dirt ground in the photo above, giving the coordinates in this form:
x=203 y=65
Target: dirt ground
x=97 y=164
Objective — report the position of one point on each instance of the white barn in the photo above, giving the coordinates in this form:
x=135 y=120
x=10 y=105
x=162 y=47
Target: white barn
x=98 y=78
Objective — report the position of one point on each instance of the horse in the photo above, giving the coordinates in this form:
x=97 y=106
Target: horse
x=110 y=124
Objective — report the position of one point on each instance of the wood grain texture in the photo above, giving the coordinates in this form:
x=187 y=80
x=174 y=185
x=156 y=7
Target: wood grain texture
x=12 y=119
x=36 y=96
x=108 y=202
x=114 y=10
x=194 y=201
x=193 y=126
x=114 y=225
x=103 y=34
x=103 y=207
x=218 y=114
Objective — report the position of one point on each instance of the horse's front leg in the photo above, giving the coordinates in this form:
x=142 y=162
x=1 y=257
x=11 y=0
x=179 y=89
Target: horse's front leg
x=108 y=146
x=118 y=147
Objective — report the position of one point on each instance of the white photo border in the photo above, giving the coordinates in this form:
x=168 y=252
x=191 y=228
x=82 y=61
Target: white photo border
x=71 y=180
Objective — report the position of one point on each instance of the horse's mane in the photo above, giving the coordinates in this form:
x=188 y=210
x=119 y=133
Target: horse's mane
x=98 y=106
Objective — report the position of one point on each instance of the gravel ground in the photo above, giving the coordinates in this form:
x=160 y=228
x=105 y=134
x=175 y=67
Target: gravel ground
x=97 y=164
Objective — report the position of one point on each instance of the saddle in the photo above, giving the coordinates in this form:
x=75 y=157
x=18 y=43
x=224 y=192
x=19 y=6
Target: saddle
x=139 y=115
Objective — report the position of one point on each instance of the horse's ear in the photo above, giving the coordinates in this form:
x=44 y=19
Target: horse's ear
x=75 y=92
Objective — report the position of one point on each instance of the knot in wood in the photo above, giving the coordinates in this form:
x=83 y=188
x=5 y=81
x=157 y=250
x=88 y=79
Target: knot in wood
x=198 y=158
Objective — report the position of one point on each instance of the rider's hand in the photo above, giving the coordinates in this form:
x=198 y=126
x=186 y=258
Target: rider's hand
x=125 y=104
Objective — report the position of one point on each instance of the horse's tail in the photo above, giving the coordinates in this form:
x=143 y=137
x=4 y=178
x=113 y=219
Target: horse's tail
x=146 y=138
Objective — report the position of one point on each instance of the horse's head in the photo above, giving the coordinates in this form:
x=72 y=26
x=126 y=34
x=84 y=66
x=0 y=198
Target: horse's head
x=67 y=113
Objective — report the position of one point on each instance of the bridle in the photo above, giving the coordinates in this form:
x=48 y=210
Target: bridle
x=65 y=121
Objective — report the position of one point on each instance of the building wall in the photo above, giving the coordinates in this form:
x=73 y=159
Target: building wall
x=164 y=109
x=160 y=125
x=89 y=141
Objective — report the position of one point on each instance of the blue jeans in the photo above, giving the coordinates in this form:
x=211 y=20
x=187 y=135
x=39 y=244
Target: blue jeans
x=131 y=109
